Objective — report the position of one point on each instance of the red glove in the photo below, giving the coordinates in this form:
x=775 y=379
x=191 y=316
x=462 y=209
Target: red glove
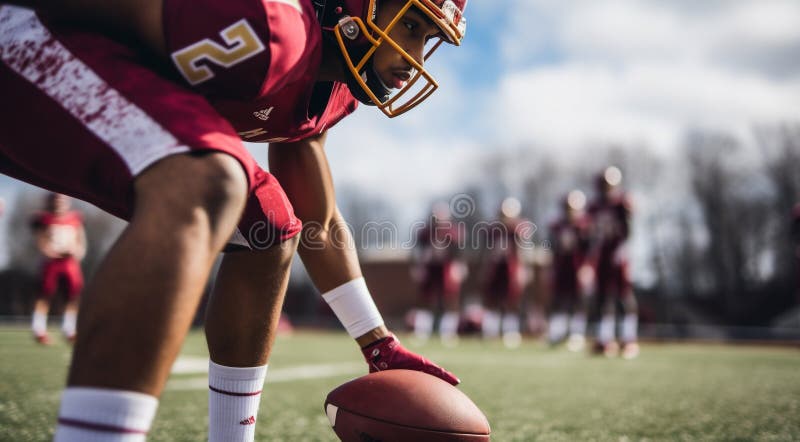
x=389 y=354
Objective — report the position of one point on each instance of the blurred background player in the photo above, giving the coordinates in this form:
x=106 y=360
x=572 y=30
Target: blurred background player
x=504 y=275
x=61 y=240
x=438 y=271
x=610 y=214
x=571 y=276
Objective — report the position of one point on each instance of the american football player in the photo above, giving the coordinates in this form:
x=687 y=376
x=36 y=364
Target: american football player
x=156 y=97
x=610 y=214
x=505 y=274
x=61 y=239
x=438 y=270
x=572 y=278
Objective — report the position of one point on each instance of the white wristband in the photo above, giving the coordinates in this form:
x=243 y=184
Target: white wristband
x=353 y=305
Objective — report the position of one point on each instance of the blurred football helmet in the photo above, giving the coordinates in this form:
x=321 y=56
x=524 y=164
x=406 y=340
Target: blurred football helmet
x=510 y=208
x=575 y=201
x=351 y=23
x=608 y=179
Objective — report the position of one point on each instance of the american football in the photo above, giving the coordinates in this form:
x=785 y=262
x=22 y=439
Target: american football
x=404 y=405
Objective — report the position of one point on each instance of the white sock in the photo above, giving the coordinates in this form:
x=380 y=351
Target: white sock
x=423 y=324
x=101 y=415
x=606 y=332
x=577 y=324
x=629 y=327
x=39 y=323
x=353 y=305
x=491 y=324
x=510 y=323
x=233 y=399
x=448 y=327
x=557 y=327
x=68 y=323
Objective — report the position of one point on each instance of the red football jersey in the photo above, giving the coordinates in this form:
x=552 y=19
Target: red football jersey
x=610 y=220
x=439 y=242
x=257 y=62
x=570 y=243
x=62 y=229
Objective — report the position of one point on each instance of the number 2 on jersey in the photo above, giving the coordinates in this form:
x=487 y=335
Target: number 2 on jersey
x=242 y=42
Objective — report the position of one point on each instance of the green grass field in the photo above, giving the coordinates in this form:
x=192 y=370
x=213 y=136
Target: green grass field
x=672 y=392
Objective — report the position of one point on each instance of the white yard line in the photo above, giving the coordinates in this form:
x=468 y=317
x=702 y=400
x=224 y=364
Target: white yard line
x=188 y=365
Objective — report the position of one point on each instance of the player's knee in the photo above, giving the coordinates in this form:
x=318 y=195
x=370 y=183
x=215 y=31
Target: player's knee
x=287 y=249
x=629 y=304
x=190 y=188
x=222 y=187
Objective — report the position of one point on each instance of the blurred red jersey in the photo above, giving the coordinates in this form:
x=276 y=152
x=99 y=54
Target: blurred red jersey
x=506 y=275
x=570 y=246
x=62 y=230
x=610 y=219
x=437 y=255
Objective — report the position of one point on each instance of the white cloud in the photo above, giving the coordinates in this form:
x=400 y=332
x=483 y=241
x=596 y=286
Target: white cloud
x=648 y=71
x=575 y=103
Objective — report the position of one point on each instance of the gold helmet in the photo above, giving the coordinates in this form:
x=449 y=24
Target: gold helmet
x=352 y=24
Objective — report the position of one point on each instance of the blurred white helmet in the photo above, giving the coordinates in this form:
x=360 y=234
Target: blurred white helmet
x=510 y=208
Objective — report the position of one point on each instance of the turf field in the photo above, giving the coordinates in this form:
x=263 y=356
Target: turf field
x=672 y=392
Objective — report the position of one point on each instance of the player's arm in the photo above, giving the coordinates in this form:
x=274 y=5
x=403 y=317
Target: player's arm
x=625 y=214
x=80 y=246
x=326 y=246
x=328 y=252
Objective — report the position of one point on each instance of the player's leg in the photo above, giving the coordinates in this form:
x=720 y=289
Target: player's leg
x=607 y=308
x=606 y=330
x=41 y=308
x=493 y=291
x=630 y=320
x=512 y=288
x=423 y=323
x=39 y=320
x=512 y=338
x=74 y=284
x=137 y=309
x=577 y=323
x=448 y=324
x=244 y=309
x=558 y=322
x=187 y=207
x=490 y=325
x=429 y=291
x=70 y=320
x=241 y=322
x=450 y=304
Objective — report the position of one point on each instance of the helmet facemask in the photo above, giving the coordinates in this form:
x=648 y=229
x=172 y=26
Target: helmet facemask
x=359 y=39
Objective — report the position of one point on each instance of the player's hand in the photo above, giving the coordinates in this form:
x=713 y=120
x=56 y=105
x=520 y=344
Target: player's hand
x=389 y=354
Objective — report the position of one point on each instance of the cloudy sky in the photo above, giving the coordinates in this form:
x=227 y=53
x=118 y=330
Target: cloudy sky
x=562 y=75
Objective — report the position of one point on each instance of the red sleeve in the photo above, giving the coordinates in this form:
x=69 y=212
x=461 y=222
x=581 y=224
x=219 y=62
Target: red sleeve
x=76 y=219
